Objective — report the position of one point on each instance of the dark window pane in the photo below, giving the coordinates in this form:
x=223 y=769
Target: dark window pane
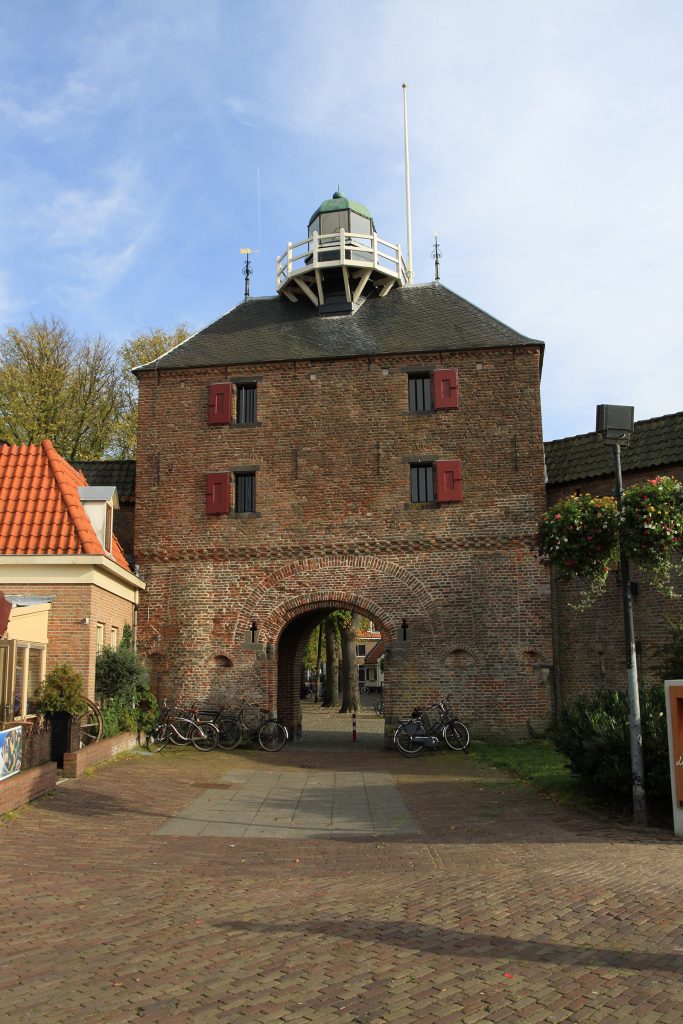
x=422 y=483
x=246 y=403
x=419 y=393
x=245 y=492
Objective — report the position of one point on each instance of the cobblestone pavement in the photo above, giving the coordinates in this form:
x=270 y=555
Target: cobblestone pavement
x=501 y=908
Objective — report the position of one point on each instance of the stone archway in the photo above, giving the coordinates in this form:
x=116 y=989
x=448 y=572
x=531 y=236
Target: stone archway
x=290 y=650
x=286 y=605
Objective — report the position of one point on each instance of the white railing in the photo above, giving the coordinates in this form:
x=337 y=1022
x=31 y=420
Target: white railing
x=341 y=248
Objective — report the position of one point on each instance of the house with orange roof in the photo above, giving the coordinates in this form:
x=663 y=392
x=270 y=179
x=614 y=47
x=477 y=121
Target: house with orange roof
x=61 y=568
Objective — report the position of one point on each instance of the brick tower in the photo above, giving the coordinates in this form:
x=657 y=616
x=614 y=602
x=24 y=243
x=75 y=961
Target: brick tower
x=350 y=442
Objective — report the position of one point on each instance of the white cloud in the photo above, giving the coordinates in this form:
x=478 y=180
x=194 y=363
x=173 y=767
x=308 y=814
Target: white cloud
x=77 y=217
x=77 y=97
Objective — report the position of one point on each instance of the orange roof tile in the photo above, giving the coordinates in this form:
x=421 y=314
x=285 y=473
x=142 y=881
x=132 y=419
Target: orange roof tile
x=40 y=510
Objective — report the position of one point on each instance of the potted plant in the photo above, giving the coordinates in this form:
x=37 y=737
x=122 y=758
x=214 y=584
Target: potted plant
x=60 y=699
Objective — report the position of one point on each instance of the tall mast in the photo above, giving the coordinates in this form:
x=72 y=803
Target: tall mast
x=409 y=239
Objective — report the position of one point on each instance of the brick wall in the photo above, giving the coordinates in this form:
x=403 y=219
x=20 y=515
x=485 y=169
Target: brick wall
x=335 y=528
x=590 y=650
x=124 y=523
x=70 y=639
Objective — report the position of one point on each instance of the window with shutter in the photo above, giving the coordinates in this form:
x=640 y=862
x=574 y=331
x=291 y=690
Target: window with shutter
x=217 y=494
x=445 y=389
x=419 y=392
x=245 y=492
x=421 y=482
x=220 y=403
x=246 y=403
x=449 y=480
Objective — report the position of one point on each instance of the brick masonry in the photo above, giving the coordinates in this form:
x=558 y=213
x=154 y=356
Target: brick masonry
x=19 y=789
x=334 y=527
x=70 y=638
x=76 y=762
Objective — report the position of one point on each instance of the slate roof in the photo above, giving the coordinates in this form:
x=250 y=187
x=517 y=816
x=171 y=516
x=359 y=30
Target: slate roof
x=118 y=473
x=422 y=318
x=40 y=510
x=655 y=442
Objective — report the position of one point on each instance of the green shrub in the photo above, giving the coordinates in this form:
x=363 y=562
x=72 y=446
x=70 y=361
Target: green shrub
x=122 y=685
x=593 y=733
x=62 y=690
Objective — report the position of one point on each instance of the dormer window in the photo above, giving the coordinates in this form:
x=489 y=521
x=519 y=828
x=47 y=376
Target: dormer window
x=99 y=504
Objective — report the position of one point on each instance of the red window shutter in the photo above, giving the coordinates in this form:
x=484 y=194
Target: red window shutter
x=217 y=494
x=449 y=480
x=445 y=389
x=220 y=403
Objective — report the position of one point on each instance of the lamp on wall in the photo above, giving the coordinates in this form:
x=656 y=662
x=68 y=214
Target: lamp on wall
x=85 y=621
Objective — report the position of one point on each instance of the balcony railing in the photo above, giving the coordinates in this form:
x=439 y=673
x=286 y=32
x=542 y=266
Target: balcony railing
x=341 y=249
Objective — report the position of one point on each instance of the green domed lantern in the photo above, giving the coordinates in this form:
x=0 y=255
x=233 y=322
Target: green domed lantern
x=342 y=261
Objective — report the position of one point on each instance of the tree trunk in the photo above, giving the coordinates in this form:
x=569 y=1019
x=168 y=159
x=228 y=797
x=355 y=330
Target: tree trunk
x=331 y=662
x=318 y=695
x=350 y=694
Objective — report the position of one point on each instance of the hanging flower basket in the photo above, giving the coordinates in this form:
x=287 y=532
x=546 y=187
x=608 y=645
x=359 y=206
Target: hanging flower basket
x=652 y=528
x=579 y=536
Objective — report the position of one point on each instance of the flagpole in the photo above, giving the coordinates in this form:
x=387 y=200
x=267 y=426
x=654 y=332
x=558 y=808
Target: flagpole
x=409 y=266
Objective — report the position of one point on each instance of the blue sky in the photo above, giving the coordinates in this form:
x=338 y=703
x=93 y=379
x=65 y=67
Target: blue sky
x=143 y=143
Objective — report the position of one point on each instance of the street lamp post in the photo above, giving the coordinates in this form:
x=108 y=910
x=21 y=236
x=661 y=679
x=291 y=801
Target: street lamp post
x=615 y=423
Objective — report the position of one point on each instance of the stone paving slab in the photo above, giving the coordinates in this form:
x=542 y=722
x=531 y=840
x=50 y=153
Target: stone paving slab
x=295 y=804
x=502 y=908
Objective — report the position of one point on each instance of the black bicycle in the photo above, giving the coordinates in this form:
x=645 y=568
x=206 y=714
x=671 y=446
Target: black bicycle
x=250 y=722
x=423 y=730
x=443 y=722
x=413 y=737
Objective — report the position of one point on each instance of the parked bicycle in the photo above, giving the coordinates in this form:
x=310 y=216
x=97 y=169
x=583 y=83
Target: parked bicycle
x=181 y=729
x=378 y=706
x=438 y=722
x=253 y=723
x=412 y=737
x=443 y=722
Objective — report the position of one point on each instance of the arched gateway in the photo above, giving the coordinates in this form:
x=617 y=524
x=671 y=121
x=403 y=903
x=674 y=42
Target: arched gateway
x=352 y=442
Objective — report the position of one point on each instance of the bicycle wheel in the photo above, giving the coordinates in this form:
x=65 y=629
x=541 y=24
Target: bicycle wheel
x=272 y=736
x=456 y=735
x=203 y=737
x=229 y=733
x=157 y=739
x=405 y=743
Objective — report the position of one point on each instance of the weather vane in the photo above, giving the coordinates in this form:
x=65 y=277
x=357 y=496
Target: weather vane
x=436 y=253
x=246 y=270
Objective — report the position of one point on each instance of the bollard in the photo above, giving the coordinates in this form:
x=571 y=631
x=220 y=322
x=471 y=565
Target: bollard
x=353 y=721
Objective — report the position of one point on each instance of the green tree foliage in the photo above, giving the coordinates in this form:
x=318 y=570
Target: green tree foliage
x=135 y=352
x=54 y=386
x=79 y=394
x=122 y=684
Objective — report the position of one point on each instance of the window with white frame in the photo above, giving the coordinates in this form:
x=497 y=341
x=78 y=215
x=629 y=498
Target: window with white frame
x=29 y=671
x=100 y=637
